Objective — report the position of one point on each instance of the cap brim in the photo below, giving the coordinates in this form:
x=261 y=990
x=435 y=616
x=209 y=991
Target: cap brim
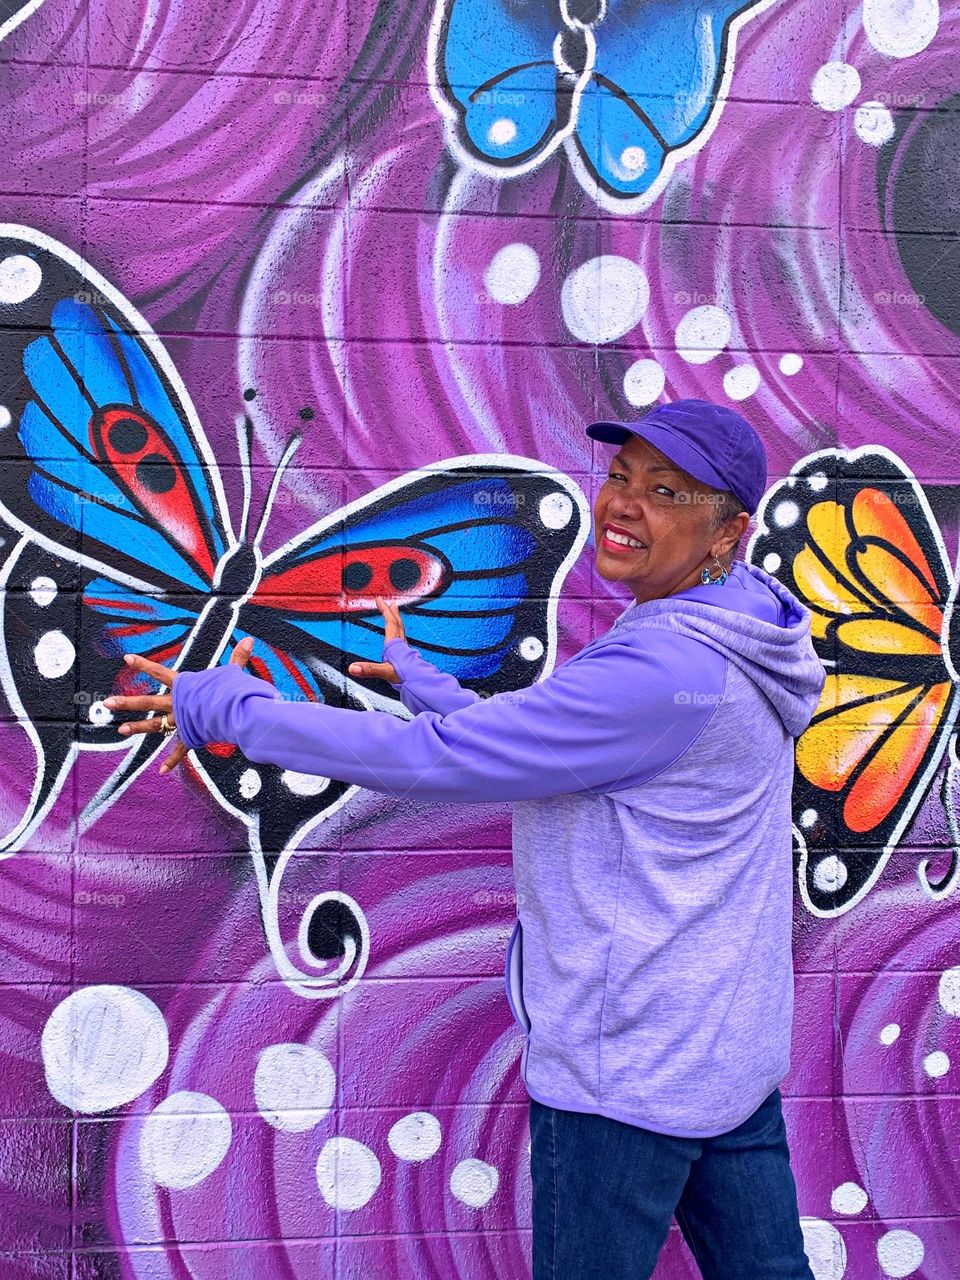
x=608 y=432
x=680 y=452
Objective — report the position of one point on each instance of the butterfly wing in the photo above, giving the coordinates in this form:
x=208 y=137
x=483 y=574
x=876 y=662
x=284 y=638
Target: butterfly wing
x=852 y=535
x=660 y=74
x=495 y=78
x=108 y=462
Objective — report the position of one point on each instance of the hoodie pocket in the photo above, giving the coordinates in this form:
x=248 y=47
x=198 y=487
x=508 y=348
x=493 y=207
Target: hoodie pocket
x=513 y=977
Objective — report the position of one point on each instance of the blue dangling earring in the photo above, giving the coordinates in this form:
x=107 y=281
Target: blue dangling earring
x=706 y=579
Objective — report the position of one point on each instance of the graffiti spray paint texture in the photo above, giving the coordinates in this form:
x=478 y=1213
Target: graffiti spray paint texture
x=367 y=273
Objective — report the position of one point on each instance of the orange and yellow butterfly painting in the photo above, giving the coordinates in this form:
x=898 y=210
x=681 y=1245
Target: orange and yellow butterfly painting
x=853 y=535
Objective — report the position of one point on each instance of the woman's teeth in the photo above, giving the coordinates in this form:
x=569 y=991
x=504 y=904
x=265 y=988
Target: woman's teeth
x=622 y=539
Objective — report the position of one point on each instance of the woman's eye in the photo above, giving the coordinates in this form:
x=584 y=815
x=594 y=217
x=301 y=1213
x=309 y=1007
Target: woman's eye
x=662 y=488
x=616 y=475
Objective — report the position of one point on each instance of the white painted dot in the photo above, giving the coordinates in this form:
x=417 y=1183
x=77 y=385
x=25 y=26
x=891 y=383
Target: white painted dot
x=790 y=364
x=702 y=334
x=808 y=818
x=184 y=1139
x=771 y=562
x=890 y=1033
x=531 y=648
x=817 y=481
x=835 y=85
x=936 y=1064
x=873 y=124
x=5 y=416
x=899 y=1253
x=900 y=28
x=416 y=1137
x=604 y=298
x=786 y=514
x=501 y=132
x=741 y=381
x=54 y=655
x=294 y=1085
x=948 y=992
x=830 y=875
x=249 y=784
x=103 y=1046
x=474 y=1183
x=99 y=715
x=824 y=1247
x=304 y=784
x=555 y=510
x=643 y=383
x=20 y=278
x=43 y=591
x=513 y=274
x=633 y=159
x=849 y=1198
x=348 y=1173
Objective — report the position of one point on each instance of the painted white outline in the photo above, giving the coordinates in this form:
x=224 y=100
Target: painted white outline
x=12 y=23
x=567 y=135
x=918 y=791
x=268 y=887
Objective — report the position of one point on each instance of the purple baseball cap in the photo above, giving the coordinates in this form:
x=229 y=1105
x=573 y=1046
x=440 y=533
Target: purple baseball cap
x=709 y=441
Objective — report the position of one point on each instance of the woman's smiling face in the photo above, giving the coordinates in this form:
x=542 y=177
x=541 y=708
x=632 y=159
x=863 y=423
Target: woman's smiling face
x=654 y=524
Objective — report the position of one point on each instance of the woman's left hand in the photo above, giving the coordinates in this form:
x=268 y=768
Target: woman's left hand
x=161 y=704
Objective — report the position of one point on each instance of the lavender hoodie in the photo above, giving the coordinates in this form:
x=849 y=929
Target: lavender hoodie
x=650 y=965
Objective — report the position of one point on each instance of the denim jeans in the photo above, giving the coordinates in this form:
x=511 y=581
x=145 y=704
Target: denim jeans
x=604 y=1193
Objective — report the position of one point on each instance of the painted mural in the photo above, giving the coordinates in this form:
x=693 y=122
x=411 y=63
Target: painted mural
x=303 y=305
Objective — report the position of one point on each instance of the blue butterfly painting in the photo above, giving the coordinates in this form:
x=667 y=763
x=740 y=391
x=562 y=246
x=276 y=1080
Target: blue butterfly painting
x=122 y=542
x=629 y=87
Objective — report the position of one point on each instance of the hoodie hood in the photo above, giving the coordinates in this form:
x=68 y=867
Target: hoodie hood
x=757 y=623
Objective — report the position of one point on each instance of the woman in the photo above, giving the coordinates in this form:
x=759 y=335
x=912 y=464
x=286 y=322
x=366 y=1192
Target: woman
x=650 y=965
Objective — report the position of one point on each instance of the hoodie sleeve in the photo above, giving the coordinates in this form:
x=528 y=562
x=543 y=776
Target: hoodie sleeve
x=611 y=717
x=424 y=687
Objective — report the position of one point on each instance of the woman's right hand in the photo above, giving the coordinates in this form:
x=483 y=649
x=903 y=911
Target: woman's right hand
x=393 y=629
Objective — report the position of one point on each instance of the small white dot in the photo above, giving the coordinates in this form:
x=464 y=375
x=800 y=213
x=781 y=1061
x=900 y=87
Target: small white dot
x=899 y=1253
x=702 y=334
x=890 y=1033
x=474 y=1183
x=531 y=648
x=835 y=85
x=604 y=298
x=741 y=381
x=874 y=124
x=830 y=875
x=513 y=274
x=294 y=1086
x=43 y=591
x=415 y=1137
x=555 y=510
x=790 y=364
x=249 y=784
x=634 y=159
x=936 y=1064
x=772 y=562
x=808 y=817
x=817 y=481
x=785 y=514
x=304 y=784
x=501 y=132
x=54 y=655
x=5 y=417
x=99 y=715
x=643 y=383
x=184 y=1139
x=20 y=278
x=348 y=1173
x=849 y=1198
x=948 y=992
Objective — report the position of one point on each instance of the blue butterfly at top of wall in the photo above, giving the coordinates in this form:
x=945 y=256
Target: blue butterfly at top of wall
x=629 y=87
x=123 y=542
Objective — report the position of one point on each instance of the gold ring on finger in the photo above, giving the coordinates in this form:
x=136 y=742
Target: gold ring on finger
x=166 y=726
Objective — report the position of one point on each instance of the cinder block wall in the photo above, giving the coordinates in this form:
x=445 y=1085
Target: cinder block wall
x=253 y=1024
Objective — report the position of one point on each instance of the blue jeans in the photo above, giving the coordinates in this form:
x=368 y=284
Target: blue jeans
x=604 y=1193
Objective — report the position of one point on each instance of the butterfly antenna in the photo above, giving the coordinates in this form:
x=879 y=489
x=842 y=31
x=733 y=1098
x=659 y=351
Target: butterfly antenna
x=293 y=444
x=244 y=426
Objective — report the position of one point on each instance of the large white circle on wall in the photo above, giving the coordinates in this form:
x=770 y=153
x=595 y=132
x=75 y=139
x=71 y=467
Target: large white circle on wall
x=474 y=1183
x=899 y=1253
x=415 y=1137
x=54 y=655
x=643 y=383
x=740 y=382
x=604 y=298
x=513 y=274
x=702 y=334
x=348 y=1173
x=824 y=1247
x=20 y=278
x=294 y=1085
x=835 y=85
x=900 y=28
x=102 y=1047
x=184 y=1139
